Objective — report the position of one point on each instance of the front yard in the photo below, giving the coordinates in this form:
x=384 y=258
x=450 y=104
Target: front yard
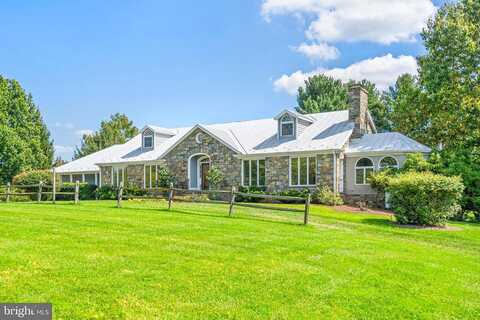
x=94 y=261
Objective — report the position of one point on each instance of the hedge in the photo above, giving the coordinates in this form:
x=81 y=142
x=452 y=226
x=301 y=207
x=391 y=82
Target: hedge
x=424 y=198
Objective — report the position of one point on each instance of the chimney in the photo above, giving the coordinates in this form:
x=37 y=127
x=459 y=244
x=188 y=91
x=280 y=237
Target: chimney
x=358 y=101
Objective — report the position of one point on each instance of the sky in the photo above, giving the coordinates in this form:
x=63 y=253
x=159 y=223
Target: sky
x=179 y=63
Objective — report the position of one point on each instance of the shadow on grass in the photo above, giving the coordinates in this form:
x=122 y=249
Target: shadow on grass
x=202 y=213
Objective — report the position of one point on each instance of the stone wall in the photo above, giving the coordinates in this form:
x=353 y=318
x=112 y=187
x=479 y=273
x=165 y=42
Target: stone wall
x=106 y=175
x=135 y=175
x=376 y=200
x=325 y=170
x=358 y=101
x=221 y=157
x=276 y=173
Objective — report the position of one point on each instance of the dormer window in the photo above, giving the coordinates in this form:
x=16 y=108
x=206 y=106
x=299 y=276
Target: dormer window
x=147 y=139
x=287 y=126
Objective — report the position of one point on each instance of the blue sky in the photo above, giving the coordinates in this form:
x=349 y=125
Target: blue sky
x=177 y=63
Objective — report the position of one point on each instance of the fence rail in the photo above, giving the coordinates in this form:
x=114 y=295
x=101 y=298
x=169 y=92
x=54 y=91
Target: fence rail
x=232 y=202
x=40 y=191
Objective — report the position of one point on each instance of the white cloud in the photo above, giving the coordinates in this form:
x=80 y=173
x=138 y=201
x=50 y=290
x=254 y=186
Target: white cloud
x=380 y=21
x=83 y=132
x=318 y=51
x=383 y=71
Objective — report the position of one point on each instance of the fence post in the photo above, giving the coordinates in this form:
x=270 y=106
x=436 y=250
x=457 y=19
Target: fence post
x=39 y=195
x=77 y=191
x=8 y=192
x=170 y=196
x=232 y=201
x=307 y=209
x=54 y=186
x=119 y=195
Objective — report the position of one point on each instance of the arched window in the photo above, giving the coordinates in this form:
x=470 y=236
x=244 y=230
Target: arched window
x=388 y=162
x=363 y=169
x=287 y=126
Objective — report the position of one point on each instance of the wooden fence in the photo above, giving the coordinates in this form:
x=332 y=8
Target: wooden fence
x=230 y=195
x=10 y=190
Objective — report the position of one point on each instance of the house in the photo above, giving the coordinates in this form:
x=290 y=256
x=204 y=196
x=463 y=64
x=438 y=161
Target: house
x=291 y=150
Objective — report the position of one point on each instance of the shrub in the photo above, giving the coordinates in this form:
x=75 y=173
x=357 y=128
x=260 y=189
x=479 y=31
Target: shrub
x=251 y=190
x=164 y=178
x=33 y=177
x=424 y=198
x=324 y=195
x=214 y=177
x=86 y=191
x=133 y=190
x=416 y=162
x=106 y=192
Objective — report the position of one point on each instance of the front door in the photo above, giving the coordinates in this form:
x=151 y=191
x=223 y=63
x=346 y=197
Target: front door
x=204 y=167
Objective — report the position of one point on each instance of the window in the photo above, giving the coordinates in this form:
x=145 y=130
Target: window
x=152 y=176
x=118 y=176
x=77 y=177
x=286 y=126
x=303 y=171
x=254 y=173
x=65 y=178
x=388 y=162
x=363 y=170
x=90 y=178
x=148 y=141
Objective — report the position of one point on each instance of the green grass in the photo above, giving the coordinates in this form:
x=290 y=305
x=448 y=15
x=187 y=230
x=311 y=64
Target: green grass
x=94 y=261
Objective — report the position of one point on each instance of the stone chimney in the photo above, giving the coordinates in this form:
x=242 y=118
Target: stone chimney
x=358 y=101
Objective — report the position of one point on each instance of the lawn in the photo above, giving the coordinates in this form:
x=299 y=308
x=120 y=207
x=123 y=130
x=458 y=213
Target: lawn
x=94 y=261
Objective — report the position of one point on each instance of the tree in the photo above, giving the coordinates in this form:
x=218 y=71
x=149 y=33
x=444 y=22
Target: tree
x=119 y=129
x=323 y=94
x=24 y=138
x=449 y=74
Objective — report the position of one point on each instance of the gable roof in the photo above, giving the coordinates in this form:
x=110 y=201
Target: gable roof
x=328 y=131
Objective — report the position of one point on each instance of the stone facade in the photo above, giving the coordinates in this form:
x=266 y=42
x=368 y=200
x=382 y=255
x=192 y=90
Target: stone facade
x=135 y=175
x=325 y=170
x=276 y=173
x=376 y=200
x=358 y=101
x=220 y=155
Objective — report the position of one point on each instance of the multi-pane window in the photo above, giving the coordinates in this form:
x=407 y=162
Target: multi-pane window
x=363 y=170
x=65 y=178
x=118 y=176
x=286 y=126
x=303 y=171
x=152 y=176
x=148 y=141
x=388 y=162
x=254 y=172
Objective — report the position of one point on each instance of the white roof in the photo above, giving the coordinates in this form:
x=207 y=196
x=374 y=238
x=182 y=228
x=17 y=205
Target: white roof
x=385 y=142
x=329 y=131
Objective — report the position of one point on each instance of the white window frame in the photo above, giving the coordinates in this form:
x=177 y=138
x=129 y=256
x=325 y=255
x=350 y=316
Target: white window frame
x=298 y=171
x=250 y=172
x=143 y=140
x=364 y=168
x=380 y=163
x=118 y=169
x=282 y=122
x=151 y=183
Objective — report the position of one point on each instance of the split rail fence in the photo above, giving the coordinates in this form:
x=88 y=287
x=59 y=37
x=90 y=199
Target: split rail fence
x=172 y=194
x=42 y=189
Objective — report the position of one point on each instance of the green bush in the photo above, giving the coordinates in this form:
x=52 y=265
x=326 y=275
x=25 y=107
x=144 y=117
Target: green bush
x=106 y=192
x=251 y=190
x=33 y=177
x=133 y=190
x=424 y=198
x=325 y=195
x=416 y=162
x=214 y=177
x=164 y=178
x=86 y=191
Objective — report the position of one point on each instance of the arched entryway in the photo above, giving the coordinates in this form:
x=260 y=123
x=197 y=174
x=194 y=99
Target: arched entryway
x=198 y=166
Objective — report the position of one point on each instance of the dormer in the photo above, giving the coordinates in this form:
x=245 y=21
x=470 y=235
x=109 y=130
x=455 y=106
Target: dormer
x=291 y=124
x=148 y=138
x=153 y=136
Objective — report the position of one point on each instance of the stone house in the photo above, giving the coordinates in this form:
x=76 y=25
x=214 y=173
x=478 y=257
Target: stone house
x=338 y=149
